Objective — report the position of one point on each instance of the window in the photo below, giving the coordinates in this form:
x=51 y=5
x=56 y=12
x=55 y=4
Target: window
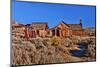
x=57 y=33
x=53 y=32
x=37 y=32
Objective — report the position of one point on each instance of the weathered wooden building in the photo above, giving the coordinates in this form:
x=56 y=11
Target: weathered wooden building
x=77 y=29
x=31 y=30
x=61 y=30
x=41 y=29
x=18 y=29
x=66 y=30
x=90 y=31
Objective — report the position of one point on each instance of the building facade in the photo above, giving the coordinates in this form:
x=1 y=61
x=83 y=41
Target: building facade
x=41 y=29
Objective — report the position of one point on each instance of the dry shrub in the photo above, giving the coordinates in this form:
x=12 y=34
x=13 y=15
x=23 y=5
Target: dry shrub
x=66 y=42
x=22 y=54
x=92 y=49
x=55 y=41
x=41 y=51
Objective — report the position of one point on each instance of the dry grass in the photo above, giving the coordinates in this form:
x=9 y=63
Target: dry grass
x=41 y=51
x=44 y=51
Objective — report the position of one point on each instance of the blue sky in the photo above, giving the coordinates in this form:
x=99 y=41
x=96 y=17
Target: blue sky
x=28 y=12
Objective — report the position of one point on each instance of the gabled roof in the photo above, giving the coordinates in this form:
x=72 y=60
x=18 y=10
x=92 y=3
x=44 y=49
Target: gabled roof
x=65 y=23
x=71 y=26
x=14 y=24
x=39 y=25
x=59 y=24
x=75 y=26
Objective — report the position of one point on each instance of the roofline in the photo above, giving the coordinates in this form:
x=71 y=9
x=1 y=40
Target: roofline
x=39 y=22
x=58 y=24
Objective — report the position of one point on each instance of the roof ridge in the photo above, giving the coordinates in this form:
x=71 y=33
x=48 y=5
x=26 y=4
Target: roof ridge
x=39 y=22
